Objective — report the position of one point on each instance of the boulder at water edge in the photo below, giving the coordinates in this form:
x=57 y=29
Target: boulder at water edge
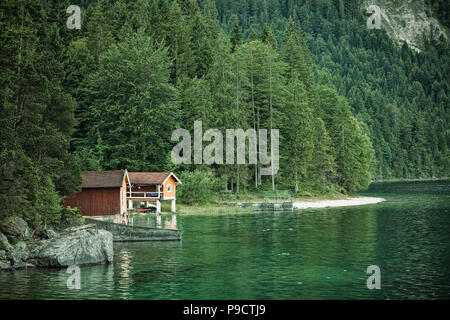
x=4 y=263
x=82 y=245
x=5 y=247
x=15 y=228
x=18 y=255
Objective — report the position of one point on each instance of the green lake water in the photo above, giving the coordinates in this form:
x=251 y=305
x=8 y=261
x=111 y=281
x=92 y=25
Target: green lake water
x=306 y=254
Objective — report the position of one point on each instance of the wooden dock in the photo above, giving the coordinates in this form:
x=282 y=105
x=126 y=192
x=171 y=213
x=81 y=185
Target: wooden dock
x=123 y=232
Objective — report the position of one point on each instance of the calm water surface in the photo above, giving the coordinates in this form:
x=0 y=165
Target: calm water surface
x=307 y=254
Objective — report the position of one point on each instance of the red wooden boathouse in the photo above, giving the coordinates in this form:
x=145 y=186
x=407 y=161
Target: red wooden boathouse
x=102 y=193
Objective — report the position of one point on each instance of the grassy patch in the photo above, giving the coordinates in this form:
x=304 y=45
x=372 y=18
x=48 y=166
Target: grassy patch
x=212 y=208
x=226 y=204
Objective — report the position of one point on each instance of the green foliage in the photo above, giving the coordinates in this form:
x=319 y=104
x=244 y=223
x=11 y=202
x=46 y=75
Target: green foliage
x=98 y=29
x=71 y=217
x=352 y=150
x=283 y=195
x=133 y=106
x=350 y=105
x=37 y=120
x=198 y=187
x=236 y=33
x=47 y=206
x=395 y=91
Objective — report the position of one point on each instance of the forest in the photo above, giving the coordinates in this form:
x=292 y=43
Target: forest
x=350 y=105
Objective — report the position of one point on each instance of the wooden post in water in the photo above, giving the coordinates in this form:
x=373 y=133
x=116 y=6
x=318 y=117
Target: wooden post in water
x=158 y=206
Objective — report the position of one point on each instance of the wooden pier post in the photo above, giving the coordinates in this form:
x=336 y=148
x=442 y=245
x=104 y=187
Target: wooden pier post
x=158 y=206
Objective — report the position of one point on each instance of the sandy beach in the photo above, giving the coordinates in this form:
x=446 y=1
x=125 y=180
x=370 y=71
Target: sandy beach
x=337 y=203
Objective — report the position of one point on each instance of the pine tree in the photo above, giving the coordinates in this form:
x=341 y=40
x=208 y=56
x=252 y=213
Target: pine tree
x=221 y=79
x=98 y=29
x=134 y=106
x=179 y=39
x=236 y=33
x=296 y=55
x=268 y=38
x=266 y=88
x=158 y=16
x=352 y=150
x=37 y=115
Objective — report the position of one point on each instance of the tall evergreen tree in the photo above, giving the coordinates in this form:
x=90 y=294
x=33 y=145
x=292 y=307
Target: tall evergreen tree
x=236 y=33
x=37 y=115
x=134 y=106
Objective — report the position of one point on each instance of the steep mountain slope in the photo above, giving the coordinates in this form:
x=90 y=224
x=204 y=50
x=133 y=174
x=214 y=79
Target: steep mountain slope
x=399 y=91
x=408 y=20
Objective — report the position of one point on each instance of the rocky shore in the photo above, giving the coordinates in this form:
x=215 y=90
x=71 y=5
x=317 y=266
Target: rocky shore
x=20 y=247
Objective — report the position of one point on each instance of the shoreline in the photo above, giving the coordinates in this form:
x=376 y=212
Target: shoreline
x=298 y=204
x=316 y=204
x=409 y=180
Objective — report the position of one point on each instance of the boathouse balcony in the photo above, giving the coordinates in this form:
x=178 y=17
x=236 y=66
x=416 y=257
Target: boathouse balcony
x=144 y=195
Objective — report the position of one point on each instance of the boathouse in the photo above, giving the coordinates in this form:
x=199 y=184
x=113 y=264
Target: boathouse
x=148 y=187
x=103 y=193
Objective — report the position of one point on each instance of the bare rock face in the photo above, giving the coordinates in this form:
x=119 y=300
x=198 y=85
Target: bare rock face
x=12 y=257
x=4 y=263
x=407 y=20
x=18 y=255
x=5 y=249
x=4 y=244
x=50 y=234
x=15 y=228
x=75 y=246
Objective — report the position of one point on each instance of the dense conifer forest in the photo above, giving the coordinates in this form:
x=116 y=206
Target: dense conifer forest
x=349 y=103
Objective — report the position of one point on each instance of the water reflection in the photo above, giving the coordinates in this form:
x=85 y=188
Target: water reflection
x=169 y=221
x=307 y=254
x=147 y=220
x=125 y=280
x=171 y=224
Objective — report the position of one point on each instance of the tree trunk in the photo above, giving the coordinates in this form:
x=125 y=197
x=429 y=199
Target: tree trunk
x=254 y=114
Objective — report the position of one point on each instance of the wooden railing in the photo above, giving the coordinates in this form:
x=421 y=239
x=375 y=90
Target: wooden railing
x=144 y=195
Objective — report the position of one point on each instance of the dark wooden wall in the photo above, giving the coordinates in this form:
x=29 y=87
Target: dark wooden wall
x=151 y=188
x=96 y=201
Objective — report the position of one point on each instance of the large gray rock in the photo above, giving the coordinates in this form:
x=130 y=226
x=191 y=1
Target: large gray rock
x=15 y=228
x=5 y=265
x=18 y=255
x=50 y=234
x=82 y=245
x=4 y=244
x=5 y=248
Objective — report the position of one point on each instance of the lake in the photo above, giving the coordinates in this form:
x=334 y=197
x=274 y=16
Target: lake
x=306 y=254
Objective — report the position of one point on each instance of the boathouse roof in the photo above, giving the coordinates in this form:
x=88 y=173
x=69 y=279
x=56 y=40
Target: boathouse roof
x=151 y=178
x=103 y=179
